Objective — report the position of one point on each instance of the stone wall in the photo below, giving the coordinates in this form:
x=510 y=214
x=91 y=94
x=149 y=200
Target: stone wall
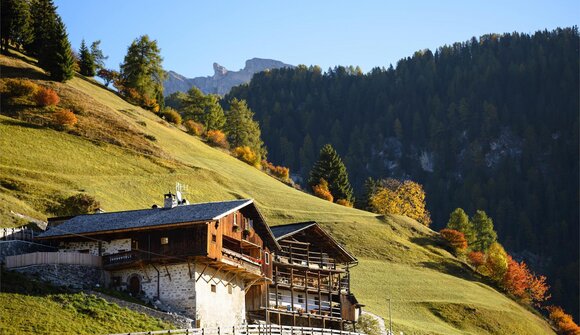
x=107 y=248
x=225 y=307
x=72 y=276
x=10 y=248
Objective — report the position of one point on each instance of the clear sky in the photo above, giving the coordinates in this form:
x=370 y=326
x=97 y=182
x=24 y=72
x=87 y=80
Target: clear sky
x=194 y=34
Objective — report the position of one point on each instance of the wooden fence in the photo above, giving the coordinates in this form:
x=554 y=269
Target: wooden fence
x=25 y=234
x=250 y=330
x=37 y=258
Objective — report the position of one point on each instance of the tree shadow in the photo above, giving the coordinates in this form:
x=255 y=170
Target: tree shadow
x=20 y=72
x=455 y=269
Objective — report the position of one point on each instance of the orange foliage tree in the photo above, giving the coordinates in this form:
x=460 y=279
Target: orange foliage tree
x=245 y=154
x=344 y=203
x=476 y=258
x=403 y=198
x=562 y=321
x=64 y=118
x=280 y=172
x=217 y=138
x=523 y=284
x=194 y=128
x=455 y=238
x=46 y=97
x=321 y=190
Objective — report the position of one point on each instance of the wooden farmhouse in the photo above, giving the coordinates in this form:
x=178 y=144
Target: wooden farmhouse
x=218 y=263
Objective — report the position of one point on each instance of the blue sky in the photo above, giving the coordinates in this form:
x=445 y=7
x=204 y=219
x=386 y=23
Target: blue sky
x=194 y=34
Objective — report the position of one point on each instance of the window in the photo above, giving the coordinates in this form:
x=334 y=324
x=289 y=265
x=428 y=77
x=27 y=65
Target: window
x=164 y=240
x=213 y=288
x=235 y=218
x=316 y=301
x=300 y=299
x=230 y=289
x=213 y=238
x=267 y=258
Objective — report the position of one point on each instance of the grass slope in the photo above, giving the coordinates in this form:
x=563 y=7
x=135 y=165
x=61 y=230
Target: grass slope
x=431 y=291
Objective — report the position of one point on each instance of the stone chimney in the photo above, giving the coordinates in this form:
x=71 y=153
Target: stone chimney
x=169 y=201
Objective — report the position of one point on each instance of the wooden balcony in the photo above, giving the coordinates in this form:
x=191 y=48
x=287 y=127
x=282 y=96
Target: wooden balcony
x=123 y=260
x=239 y=260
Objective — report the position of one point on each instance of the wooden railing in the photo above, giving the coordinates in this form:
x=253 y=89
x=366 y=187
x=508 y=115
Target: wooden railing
x=37 y=258
x=248 y=262
x=25 y=234
x=249 y=330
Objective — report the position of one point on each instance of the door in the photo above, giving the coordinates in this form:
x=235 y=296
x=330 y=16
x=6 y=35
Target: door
x=134 y=286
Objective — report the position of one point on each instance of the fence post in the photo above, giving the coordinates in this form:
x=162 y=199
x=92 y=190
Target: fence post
x=219 y=331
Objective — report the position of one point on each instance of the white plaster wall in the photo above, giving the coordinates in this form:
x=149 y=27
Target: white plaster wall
x=113 y=247
x=194 y=299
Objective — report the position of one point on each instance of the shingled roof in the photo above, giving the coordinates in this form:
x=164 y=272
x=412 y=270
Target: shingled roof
x=104 y=222
x=290 y=229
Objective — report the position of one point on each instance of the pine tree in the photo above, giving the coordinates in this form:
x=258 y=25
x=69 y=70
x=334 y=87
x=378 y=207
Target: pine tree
x=98 y=56
x=43 y=19
x=87 y=61
x=331 y=168
x=242 y=129
x=459 y=221
x=15 y=23
x=204 y=109
x=57 y=54
x=141 y=69
x=484 y=233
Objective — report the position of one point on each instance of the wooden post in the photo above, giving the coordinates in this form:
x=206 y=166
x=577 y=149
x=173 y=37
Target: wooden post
x=276 y=287
x=306 y=291
x=291 y=289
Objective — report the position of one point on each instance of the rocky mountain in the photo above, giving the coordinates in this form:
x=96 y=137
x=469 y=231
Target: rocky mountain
x=222 y=80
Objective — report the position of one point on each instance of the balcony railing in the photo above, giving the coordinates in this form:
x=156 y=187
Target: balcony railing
x=249 y=263
x=122 y=258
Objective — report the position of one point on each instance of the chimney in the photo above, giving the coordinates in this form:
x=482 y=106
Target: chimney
x=169 y=201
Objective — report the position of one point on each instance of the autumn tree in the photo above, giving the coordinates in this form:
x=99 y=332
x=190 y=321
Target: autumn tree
x=402 y=198
x=496 y=262
x=485 y=235
x=331 y=168
x=458 y=220
x=87 y=61
x=321 y=190
x=141 y=70
x=523 y=284
x=241 y=128
x=15 y=23
x=455 y=238
x=108 y=76
x=563 y=322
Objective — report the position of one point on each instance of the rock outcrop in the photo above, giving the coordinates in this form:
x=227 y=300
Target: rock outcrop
x=223 y=80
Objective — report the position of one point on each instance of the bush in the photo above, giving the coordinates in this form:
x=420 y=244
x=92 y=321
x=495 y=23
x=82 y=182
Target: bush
x=476 y=258
x=46 y=97
x=279 y=172
x=456 y=239
x=369 y=325
x=344 y=203
x=321 y=190
x=194 y=128
x=21 y=87
x=77 y=204
x=245 y=154
x=171 y=115
x=64 y=118
x=563 y=322
x=217 y=138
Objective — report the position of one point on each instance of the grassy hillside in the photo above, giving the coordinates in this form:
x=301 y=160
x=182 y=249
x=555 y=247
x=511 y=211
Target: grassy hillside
x=431 y=291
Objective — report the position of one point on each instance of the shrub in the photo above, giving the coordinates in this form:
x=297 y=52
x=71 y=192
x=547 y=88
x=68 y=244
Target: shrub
x=64 y=118
x=344 y=203
x=194 y=128
x=369 y=325
x=77 y=204
x=46 y=97
x=321 y=190
x=21 y=87
x=171 y=115
x=217 y=138
x=246 y=154
x=456 y=239
x=563 y=322
x=279 y=172
x=476 y=258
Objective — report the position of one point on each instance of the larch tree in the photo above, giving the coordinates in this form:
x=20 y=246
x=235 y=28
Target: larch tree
x=141 y=69
x=458 y=220
x=242 y=129
x=98 y=56
x=331 y=168
x=485 y=236
x=87 y=61
x=15 y=23
x=407 y=198
x=204 y=109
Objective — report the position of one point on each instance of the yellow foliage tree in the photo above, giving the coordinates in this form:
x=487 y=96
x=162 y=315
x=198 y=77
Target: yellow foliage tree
x=403 y=198
x=496 y=263
x=245 y=154
x=321 y=190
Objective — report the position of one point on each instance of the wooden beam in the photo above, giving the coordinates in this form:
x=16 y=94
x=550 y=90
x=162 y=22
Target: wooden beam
x=250 y=284
x=168 y=274
x=144 y=271
x=215 y=273
x=202 y=272
x=189 y=269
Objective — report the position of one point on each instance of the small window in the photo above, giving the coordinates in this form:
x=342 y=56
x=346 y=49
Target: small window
x=300 y=299
x=213 y=288
x=213 y=238
x=267 y=258
x=235 y=218
x=164 y=240
x=230 y=290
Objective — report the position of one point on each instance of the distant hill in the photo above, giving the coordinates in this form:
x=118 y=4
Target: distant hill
x=142 y=156
x=223 y=79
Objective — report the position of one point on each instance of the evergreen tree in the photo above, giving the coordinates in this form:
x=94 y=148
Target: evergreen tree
x=43 y=18
x=98 y=56
x=459 y=221
x=331 y=168
x=141 y=69
x=57 y=54
x=87 y=61
x=242 y=129
x=15 y=23
x=204 y=109
x=484 y=233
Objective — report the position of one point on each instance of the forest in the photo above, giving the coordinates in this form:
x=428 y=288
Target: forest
x=487 y=124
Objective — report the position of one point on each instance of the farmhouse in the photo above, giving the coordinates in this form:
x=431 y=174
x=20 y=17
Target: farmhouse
x=218 y=262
